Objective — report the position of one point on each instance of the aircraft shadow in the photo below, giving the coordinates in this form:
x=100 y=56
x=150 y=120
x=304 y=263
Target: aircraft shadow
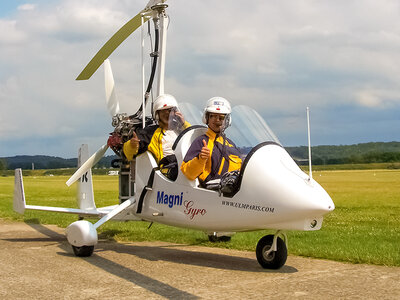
x=170 y=253
x=50 y=234
x=109 y=266
x=196 y=258
x=156 y=253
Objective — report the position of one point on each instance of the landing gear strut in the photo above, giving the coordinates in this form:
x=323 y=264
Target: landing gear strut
x=271 y=251
x=215 y=237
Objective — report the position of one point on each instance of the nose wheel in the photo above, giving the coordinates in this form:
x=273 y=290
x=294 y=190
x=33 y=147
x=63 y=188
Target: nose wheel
x=83 y=251
x=271 y=251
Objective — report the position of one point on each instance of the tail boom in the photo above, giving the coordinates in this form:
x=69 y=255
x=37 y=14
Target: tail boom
x=19 y=204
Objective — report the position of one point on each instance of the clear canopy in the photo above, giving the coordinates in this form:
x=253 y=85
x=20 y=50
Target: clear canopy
x=247 y=130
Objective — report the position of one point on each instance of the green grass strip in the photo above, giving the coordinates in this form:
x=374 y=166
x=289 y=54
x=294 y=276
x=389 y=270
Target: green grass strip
x=364 y=228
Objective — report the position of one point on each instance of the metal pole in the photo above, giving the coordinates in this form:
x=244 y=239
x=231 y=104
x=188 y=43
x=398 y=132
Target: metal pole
x=309 y=141
x=162 y=21
x=143 y=74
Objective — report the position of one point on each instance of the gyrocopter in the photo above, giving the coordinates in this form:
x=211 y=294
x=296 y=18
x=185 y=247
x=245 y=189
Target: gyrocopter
x=271 y=191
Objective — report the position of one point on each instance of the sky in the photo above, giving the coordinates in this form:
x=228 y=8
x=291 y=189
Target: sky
x=340 y=58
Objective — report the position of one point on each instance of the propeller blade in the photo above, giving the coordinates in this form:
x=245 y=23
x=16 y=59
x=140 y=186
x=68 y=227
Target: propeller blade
x=111 y=45
x=111 y=98
x=94 y=159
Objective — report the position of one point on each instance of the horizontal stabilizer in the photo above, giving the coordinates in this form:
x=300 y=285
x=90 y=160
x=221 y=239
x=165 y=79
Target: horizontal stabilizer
x=83 y=212
x=20 y=206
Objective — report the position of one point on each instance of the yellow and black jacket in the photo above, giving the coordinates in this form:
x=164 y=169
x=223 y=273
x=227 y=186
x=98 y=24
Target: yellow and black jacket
x=150 y=139
x=222 y=158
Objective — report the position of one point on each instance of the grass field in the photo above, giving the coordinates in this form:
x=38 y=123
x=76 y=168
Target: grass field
x=95 y=171
x=364 y=228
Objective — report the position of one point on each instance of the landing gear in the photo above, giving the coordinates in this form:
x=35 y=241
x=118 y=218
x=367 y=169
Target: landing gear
x=83 y=251
x=271 y=251
x=82 y=233
x=216 y=239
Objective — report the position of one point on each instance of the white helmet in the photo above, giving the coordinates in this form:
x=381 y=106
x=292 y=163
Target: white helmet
x=164 y=101
x=217 y=105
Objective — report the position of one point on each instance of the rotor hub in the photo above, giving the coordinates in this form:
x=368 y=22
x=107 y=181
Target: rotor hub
x=160 y=7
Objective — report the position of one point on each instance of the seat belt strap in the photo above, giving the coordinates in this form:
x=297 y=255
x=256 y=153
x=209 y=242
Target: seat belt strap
x=149 y=186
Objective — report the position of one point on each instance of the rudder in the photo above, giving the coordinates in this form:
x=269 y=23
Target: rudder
x=85 y=195
x=19 y=203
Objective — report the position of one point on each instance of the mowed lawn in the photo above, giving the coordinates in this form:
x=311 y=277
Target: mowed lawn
x=364 y=228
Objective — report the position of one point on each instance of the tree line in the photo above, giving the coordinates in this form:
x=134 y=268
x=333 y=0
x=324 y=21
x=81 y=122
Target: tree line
x=348 y=154
x=321 y=155
x=372 y=157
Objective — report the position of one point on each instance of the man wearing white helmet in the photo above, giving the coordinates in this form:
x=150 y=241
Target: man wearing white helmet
x=158 y=139
x=212 y=155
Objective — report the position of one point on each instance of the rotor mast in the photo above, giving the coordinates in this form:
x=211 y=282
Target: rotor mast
x=160 y=20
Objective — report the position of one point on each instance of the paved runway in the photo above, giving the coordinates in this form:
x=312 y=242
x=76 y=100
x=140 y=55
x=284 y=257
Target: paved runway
x=37 y=262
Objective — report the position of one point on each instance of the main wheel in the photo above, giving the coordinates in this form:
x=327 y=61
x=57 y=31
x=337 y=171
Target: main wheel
x=275 y=259
x=216 y=239
x=83 y=251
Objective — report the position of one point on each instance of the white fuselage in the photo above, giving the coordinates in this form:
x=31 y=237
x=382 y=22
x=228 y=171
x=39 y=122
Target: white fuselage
x=274 y=194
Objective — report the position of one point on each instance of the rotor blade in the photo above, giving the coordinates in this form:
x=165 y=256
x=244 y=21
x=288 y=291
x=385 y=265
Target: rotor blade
x=94 y=159
x=111 y=45
x=111 y=98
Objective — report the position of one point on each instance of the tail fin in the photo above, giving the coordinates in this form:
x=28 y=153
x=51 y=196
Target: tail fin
x=19 y=193
x=85 y=196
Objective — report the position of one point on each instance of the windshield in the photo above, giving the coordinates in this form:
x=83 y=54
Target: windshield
x=247 y=130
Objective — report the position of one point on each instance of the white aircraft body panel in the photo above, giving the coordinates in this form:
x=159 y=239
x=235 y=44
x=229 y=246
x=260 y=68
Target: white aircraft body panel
x=263 y=201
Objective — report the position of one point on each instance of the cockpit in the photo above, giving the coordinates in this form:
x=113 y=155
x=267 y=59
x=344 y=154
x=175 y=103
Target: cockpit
x=248 y=131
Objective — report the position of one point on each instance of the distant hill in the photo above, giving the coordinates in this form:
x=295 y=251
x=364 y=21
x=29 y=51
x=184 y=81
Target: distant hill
x=344 y=154
x=47 y=162
x=321 y=155
x=39 y=161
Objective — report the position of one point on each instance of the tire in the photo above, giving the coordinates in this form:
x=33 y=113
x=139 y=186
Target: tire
x=275 y=259
x=84 y=251
x=216 y=239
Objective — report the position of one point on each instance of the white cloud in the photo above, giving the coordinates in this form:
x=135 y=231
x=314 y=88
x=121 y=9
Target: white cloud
x=369 y=99
x=378 y=98
x=10 y=34
x=277 y=56
x=27 y=6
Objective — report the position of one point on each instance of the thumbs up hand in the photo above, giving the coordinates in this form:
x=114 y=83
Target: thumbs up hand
x=205 y=152
x=134 y=141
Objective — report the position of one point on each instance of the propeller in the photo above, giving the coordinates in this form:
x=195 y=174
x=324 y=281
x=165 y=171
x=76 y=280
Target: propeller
x=113 y=108
x=94 y=159
x=115 y=41
x=100 y=57
x=111 y=98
